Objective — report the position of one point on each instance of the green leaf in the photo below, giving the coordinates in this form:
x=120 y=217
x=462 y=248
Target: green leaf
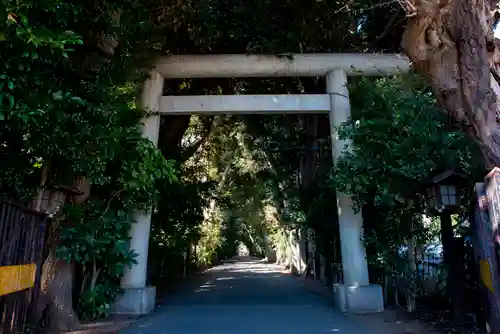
x=58 y=96
x=24 y=20
x=78 y=100
x=11 y=101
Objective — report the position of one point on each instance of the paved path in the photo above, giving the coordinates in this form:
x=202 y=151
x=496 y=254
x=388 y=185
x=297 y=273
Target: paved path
x=245 y=298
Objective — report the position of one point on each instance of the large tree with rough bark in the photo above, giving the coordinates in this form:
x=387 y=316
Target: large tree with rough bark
x=452 y=43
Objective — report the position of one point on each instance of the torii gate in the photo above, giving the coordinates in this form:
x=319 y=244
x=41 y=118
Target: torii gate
x=355 y=295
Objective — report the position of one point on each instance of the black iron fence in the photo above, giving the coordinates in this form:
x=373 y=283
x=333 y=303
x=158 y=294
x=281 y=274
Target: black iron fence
x=425 y=280
x=22 y=237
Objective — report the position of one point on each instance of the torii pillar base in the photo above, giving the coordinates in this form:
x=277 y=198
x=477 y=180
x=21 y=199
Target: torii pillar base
x=365 y=299
x=135 y=301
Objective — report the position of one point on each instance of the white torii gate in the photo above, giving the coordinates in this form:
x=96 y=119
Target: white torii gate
x=356 y=295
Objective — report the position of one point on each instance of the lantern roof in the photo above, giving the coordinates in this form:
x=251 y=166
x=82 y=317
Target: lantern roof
x=70 y=190
x=448 y=176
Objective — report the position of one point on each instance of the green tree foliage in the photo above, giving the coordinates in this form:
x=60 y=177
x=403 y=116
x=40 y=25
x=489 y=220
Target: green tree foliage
x=176 y=229
x=70 y=105
x=399 y=138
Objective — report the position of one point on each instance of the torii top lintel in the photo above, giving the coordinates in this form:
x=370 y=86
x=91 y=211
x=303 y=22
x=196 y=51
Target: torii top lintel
x=308 y=64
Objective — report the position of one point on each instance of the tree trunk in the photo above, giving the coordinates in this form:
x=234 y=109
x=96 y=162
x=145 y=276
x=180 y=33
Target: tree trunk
x=57 y=279
x=452 y=43
x=56 y=294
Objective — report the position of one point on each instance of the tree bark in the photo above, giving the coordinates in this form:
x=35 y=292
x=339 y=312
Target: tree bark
x=452 y=43
x=57 y=279
x=56 y=293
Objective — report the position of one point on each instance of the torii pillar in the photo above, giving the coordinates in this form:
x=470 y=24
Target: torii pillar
x=137 y=298
x=355 y=295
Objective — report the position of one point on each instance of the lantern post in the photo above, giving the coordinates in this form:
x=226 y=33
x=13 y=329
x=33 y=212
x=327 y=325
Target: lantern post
x=443 y=198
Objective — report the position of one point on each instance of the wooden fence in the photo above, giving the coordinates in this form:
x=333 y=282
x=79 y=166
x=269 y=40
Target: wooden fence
x=22 y=237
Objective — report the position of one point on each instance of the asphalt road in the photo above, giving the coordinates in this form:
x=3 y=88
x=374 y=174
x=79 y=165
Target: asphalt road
x=245 y=297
